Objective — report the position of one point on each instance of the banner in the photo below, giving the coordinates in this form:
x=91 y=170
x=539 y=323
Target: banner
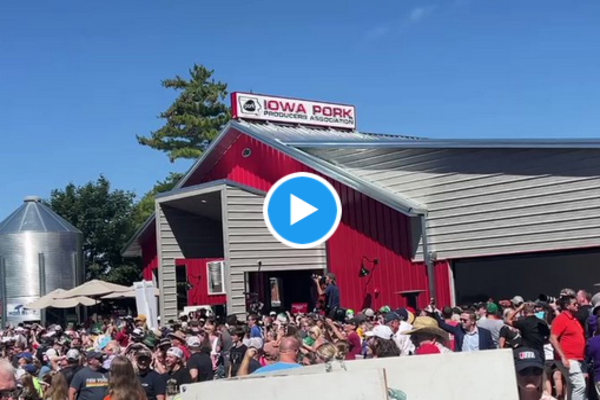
x=292 y=111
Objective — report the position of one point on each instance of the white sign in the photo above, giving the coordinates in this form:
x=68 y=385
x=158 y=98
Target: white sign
x=145 y=302
x=293 y=111
x=16 y=312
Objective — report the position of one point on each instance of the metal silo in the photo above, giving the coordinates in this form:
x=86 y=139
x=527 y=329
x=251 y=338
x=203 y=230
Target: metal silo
x=39 y=252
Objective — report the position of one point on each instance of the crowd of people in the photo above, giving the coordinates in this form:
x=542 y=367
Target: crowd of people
x=556 y=346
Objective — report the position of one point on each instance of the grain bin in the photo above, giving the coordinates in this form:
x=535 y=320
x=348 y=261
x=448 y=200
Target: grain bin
x=39 y=252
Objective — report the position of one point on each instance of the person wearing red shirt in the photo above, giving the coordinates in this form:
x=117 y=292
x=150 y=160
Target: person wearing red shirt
x=568 y=340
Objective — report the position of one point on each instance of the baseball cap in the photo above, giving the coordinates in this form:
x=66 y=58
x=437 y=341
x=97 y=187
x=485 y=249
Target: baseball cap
x=595 y=302
x=369 y=313
x=391 y=316
x=527 y=358
x=255 y=342
x=193 y=341
x=30 y=369
x=381 y=331
x=492 y=308
x=402 y=313
x=52 y=354
x=94 y=354
x=568 y=292
x=73 y=354
x=517 y=300
x=26 y=355
x=176 y=352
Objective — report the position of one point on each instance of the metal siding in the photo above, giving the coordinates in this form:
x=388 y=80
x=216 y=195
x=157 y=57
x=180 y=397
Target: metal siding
x=250 y=242
x=362 y=232
x=491 y=201
x=198 y=278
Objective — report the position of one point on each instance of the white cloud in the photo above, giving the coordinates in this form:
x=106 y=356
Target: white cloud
x=420 y=13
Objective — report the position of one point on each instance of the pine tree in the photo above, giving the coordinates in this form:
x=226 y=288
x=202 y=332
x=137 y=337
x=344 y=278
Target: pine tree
x=195 y=117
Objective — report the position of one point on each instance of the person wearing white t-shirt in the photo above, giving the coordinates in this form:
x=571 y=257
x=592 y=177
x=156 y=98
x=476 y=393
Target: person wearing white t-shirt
x=398 y=326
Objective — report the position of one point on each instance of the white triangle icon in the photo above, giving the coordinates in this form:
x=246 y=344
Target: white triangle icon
x=299 y=209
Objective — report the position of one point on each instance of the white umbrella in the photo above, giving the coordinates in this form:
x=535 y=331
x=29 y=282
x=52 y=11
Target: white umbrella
x=128 y=294
x=93 y=288
x=52 y=300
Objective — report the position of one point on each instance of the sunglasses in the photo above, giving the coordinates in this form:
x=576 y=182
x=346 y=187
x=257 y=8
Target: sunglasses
x=464 y=320
x=531 y=372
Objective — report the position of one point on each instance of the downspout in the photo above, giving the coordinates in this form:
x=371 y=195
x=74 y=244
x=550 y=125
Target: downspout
x=427 y=256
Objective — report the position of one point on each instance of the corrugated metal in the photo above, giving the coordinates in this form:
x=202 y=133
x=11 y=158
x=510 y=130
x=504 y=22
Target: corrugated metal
x=368 y=228
x=182 y=235
x=31 y=238
x=302 y=134
x=249 y=241
x=491 y=201
x=198 y=279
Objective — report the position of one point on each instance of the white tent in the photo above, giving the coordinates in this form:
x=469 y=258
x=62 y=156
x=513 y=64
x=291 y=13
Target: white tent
x=129 y=294
x=54 y=300
x=94 y=288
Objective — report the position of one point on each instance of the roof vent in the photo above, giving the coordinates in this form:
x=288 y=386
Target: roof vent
x=32 y=199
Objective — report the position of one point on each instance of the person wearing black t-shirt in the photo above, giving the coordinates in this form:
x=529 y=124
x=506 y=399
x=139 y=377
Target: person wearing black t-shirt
x=152 y=382
x=534 y=331
x=200 y=363
x=237 y=352
x=177 y=374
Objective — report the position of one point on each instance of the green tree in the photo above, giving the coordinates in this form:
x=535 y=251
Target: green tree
x=106 y=218
x=195 y=117
x=145 y=207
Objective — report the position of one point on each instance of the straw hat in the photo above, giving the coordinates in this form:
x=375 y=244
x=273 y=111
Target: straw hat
x=178 y=335
x=427 y=325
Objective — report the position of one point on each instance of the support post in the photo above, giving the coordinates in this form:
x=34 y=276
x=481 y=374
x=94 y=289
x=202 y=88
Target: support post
x=42 y=270
x=427 y=257
x=3 y=294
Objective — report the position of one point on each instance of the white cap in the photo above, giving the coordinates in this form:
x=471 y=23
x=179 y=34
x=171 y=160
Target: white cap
x=175 y=351
x=51 y=354
x=255 y=342
x=517 y=300
x=73 y=354
x=381 y=331
x=193 y=341
x=369 y=312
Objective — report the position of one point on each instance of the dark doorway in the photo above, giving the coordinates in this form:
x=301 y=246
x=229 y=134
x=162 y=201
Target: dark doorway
x=278 y=290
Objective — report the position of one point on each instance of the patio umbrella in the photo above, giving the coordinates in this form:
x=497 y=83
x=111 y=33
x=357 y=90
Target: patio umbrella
x=52 y=300
x=93 y=288
x=127 y=294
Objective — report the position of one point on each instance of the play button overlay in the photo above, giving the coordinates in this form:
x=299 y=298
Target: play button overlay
x=302 y=210
x=299 y=209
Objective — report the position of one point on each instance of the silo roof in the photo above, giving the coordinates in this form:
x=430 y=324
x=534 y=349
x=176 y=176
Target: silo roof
x=34 y=216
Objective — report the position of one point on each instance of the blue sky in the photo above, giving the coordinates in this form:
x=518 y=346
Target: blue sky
x=78 y=80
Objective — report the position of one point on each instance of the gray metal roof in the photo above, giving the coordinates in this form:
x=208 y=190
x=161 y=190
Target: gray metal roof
x=451 y=144
x=299 y=134
x=33 y=216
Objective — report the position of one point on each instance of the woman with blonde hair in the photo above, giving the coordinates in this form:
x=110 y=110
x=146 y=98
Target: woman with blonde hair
x=124 y=383
x=313 y=340
x=328 y=352
x=29 y=391
x=58 y=389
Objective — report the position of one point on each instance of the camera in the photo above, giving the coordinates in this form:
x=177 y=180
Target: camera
x=546 y=299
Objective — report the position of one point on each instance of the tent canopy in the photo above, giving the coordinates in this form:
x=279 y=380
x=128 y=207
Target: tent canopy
x=129 y=294
x=53 y=300
x=93 y=288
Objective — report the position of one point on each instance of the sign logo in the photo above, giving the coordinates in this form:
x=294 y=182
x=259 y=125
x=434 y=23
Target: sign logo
x=302 y=210
x=249 y=105
x=294 y=111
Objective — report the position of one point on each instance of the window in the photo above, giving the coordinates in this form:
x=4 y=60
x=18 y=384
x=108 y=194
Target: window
x=215 y=274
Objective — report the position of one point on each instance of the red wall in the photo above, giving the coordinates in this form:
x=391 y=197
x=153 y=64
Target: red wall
x=149 y=255
x=197 y=277
x=368 y=228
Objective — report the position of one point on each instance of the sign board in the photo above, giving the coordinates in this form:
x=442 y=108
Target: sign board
x=145 y=302
x=358 y=385
x=299 y=308
x=17 y=313
x=292 y=111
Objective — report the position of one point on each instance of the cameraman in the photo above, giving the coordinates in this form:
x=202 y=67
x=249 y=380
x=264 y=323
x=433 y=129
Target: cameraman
x=331 y=292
